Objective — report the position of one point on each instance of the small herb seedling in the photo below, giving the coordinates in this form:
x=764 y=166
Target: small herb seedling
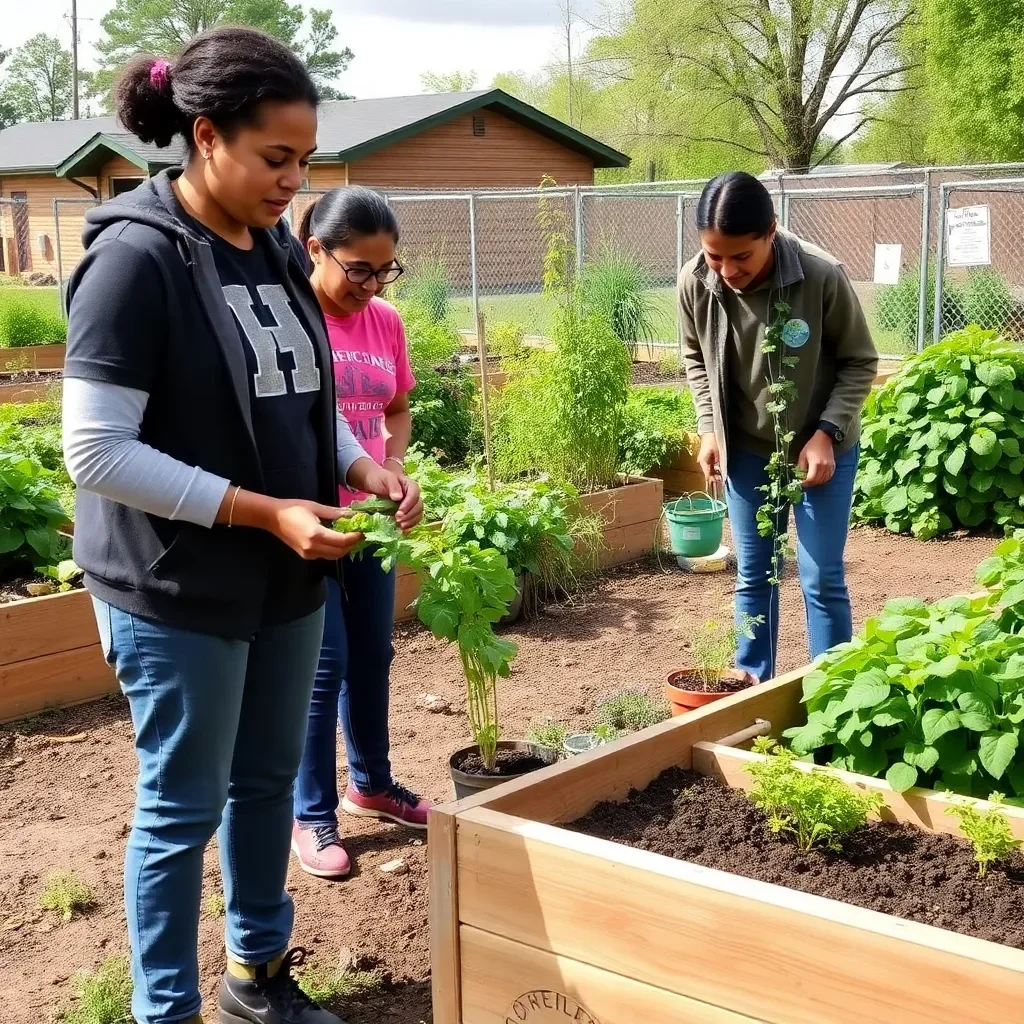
x=988 y=832
x=550 y=734
x=65 y=895
x=714 y=646
x=816 y=807
x=631 y=711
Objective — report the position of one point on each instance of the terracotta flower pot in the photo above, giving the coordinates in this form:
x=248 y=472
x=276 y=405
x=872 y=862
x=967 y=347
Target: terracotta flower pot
x=680 y=694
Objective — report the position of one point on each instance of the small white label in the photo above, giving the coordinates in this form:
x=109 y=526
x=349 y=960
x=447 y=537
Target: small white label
x=888 y=259
x=968 y=232
x=691 y=533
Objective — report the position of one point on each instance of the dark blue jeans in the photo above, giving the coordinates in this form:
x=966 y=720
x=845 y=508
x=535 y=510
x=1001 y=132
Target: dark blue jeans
x=218 y=732
x=352 y=683
x=822 y=523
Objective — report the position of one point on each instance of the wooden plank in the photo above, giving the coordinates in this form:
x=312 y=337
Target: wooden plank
x=70 y=677
x=636 y=501
x=922 y=807
x=506 y=981
x=771 y=953
x=443 y=914
x=627 y=543
x=23 y=393
x=568 y=789
x=41 y=357
x=37 y=626
x=407 y=589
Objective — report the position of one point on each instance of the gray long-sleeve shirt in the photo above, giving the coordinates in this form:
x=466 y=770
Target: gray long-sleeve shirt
x=104 y=455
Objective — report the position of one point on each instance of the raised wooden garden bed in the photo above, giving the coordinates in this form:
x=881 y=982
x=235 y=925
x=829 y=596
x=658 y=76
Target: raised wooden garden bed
x=532 y=922
x=682 y=475
x=34 y=392
x=50 y=654
x=631 y=515
x=39 y=357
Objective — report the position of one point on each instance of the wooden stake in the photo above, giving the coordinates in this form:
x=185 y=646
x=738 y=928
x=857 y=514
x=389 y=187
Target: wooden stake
x=481 y=349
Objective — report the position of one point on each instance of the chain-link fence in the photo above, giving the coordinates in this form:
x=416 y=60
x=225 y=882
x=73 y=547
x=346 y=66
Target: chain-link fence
x=980 y=261
x=15 y=243
x=68 y=223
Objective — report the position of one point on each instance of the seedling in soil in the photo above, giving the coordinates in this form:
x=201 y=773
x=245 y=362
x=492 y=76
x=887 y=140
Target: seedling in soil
x=989 y=832
x=551 y=734
x=816 y=807
x=714 y=647
x=327 y=985
x=103 y=996
x=631 y=711
x=65 y=895
x=605 y=733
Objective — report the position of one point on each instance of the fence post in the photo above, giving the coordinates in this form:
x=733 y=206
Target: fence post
x=680 y=211
x=481 y=349
x=926 y=234
x=578 y=213
x=940 y=259
x=60 y=260
x=474 y=283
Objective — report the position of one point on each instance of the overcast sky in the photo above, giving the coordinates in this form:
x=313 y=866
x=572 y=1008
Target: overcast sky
x=393 y=45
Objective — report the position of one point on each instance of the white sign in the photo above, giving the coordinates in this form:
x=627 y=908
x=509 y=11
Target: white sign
x=888 y=259
x=968 y=237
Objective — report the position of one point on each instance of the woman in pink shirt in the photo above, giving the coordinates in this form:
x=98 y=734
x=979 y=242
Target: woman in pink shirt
x=351 y=236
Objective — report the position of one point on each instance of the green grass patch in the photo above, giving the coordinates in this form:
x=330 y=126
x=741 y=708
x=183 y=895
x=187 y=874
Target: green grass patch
x=30 y=316
x=65 y=895
x=327 y=985
x=102 y=996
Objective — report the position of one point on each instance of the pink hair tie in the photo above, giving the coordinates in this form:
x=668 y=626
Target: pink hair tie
x=159 y=74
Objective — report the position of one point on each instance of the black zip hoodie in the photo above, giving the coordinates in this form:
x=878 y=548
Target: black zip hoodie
x=188 y=356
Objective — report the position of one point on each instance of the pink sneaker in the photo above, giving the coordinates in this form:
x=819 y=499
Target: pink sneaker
x=319 y=851
x=396 y=804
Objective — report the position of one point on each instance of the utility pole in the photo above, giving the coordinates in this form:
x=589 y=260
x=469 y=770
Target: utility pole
x=74 y=59
x=567 y=14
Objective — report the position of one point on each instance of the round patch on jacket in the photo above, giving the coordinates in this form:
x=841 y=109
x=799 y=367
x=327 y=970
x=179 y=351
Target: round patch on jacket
x=796 y=333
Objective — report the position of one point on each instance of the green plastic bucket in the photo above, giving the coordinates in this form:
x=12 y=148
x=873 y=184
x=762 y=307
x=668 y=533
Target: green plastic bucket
x=695 y=525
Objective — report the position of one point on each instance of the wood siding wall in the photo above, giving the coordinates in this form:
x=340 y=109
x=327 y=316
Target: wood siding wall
x=508 y=155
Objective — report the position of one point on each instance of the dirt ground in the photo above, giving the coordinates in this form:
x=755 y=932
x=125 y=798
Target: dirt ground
x=67 y=805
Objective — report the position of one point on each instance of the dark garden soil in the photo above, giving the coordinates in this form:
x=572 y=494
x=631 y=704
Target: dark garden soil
x=31 y=377
x=649 y=373
x=697 y=685
x=15 y=588
x=66 y=778
x=896 y=869
x=507 y=763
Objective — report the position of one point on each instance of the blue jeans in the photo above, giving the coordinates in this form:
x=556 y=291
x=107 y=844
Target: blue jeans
x=352 y=682
x=822 y=523
x=219 y=726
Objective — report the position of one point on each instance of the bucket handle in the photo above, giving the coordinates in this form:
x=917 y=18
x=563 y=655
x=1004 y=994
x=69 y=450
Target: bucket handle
x=713 y=497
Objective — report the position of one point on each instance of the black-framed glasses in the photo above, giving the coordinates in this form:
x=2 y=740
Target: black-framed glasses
x=360 y=275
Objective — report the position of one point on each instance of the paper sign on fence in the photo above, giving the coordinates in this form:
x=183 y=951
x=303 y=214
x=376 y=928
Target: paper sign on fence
x=968 y=237
x=888 y=259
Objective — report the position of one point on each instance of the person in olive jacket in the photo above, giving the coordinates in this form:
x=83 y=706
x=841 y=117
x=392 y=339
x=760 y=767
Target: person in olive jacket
x=728 y=296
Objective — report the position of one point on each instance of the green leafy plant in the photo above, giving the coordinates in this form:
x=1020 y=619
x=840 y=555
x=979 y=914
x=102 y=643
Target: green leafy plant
x=617 y=288
x=442 y=489
x=989 y=832
x=30 y=319
x=605 y=732
x=65 y=895
x=813 y=806
x=29 y=514
x=669 y=365
x=713 y=646
x=506 y=338
x=103 y=996
x=66 y=574
x=426 y=288
x=442 y=401
x=927 y=694
x=654 y=424
x=896 y=309
x=986 y=299
x=942 y=440
x=326 y=985
x=631 y=711
x=549 y=733
x=783 y=479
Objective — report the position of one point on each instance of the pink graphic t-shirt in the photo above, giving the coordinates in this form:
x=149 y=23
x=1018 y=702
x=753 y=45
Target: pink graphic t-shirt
x=371 y=367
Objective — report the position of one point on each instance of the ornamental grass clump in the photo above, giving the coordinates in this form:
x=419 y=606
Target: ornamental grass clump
x=942 y=440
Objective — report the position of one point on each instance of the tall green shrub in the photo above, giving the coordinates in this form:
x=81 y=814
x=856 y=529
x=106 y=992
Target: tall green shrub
x=942 y=440
x=427 y=287
x=896 y=309
x=25 y=319
x=985 y=299
x=617 y=287
x=654 y=421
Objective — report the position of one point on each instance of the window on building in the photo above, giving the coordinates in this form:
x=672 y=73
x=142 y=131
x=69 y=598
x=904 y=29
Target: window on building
x=118 y=186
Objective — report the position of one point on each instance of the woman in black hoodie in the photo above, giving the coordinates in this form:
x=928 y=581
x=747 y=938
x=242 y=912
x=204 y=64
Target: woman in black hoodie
x=200 y=426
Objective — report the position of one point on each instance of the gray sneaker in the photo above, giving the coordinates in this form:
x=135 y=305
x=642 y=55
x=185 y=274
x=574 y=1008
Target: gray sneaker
x=270 y=1000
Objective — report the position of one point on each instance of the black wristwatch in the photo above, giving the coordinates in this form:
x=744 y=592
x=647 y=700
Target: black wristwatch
x=832 y=430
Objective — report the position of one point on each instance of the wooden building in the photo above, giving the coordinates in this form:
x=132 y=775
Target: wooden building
x=474 y=140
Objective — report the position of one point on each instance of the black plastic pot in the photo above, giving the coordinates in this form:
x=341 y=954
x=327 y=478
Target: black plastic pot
x=466 y=784
x=515 y=609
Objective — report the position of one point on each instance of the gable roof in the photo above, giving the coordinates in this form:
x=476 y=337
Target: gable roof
x=349 y=130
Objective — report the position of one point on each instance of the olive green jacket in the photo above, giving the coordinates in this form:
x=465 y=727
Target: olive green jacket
x=836 y=367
